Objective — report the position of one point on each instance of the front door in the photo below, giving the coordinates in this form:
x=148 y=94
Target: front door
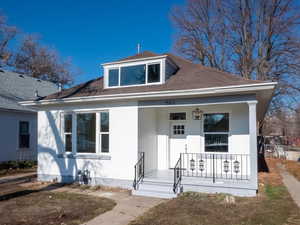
x=177 y=142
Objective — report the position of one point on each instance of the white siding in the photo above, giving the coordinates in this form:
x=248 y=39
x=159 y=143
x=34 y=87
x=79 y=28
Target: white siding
x=148 y=137
x=123 y=144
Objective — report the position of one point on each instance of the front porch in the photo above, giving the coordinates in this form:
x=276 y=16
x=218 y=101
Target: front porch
x=214 y=153
x=208 y=173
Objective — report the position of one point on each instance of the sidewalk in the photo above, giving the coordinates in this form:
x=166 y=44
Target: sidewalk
x=292 y=184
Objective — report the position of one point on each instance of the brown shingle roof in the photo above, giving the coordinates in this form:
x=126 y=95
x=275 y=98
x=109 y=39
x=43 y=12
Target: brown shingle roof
x=188 y=76
x=144 y=54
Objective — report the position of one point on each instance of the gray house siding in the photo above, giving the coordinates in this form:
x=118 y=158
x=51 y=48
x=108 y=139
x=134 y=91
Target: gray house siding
x=9 y=135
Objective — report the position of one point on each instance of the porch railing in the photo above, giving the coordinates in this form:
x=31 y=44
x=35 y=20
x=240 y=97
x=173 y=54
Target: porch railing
x=139 y=170
x=216 y=166
x=177 y=175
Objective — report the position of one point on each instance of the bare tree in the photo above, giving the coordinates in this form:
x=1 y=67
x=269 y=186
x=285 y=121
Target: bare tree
x=40 y=61
x=256 y=39
x=7 y=34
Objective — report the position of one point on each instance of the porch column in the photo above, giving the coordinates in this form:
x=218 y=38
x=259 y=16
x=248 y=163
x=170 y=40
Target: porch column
x=253 y=144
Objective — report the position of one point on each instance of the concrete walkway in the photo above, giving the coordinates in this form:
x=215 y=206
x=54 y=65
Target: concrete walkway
x=292 y=184
x=127 y=209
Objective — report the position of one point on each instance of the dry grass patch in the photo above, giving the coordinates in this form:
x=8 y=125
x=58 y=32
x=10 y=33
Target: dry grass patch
x=273 y=206
x=39 y=207
x=293 y=168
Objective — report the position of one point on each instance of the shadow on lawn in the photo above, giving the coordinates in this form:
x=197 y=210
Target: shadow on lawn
x=21 y=193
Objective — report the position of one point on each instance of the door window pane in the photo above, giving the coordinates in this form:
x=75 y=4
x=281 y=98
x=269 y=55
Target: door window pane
x=178 y=129
x=153 y=73
x=86 y=133
x=104 y=122
x=104 y=142
x=113 y=77
x=131 y=75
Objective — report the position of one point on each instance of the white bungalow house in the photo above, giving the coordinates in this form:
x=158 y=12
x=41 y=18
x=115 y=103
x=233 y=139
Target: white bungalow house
x=157 y=124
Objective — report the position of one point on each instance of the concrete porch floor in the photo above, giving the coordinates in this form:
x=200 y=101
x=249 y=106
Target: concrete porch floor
x=167 y=176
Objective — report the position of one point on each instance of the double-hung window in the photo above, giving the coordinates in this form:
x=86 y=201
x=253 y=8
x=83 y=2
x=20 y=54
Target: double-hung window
x=24 y=135
x=216 y=132
x=88 y=130
x=104 y=132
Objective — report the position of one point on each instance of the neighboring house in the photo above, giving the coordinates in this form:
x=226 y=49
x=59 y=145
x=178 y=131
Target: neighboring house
x=18 y=124
x=157 y=123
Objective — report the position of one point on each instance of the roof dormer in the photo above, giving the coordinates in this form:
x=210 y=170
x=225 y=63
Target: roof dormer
x=142 y=69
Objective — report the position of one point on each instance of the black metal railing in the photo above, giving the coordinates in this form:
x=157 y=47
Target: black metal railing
x=139 y=170
x=216 y=166
x=177 y=175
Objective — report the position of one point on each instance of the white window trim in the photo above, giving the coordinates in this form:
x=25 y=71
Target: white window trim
x=228 y=133
x=74 y=133
x=135 y=85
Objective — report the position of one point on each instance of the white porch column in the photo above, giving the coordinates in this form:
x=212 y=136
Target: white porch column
x=253 y=144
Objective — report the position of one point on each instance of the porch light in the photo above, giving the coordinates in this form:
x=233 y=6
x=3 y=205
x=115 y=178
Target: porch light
x=201 y=165
x=197 y=114
x=236 y=166
x=192 y=164
x=226 y=166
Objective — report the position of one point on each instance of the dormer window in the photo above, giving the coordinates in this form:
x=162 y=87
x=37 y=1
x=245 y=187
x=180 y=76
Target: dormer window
x=134 y=75
x=131 y=75
x=153 y=73
x=152 y=70
x=113 y=77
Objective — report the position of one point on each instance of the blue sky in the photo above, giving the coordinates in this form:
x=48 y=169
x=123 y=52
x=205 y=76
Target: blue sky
x=94 y=32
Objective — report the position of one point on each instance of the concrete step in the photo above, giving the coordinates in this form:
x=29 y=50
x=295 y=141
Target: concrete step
x=155 y=189
x=155 y=194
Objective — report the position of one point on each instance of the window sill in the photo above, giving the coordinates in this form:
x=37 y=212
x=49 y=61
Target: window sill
x=84 y=156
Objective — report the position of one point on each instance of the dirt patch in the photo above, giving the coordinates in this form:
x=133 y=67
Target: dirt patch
x=37 y=205
x=293 y=168
x=273 y=206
